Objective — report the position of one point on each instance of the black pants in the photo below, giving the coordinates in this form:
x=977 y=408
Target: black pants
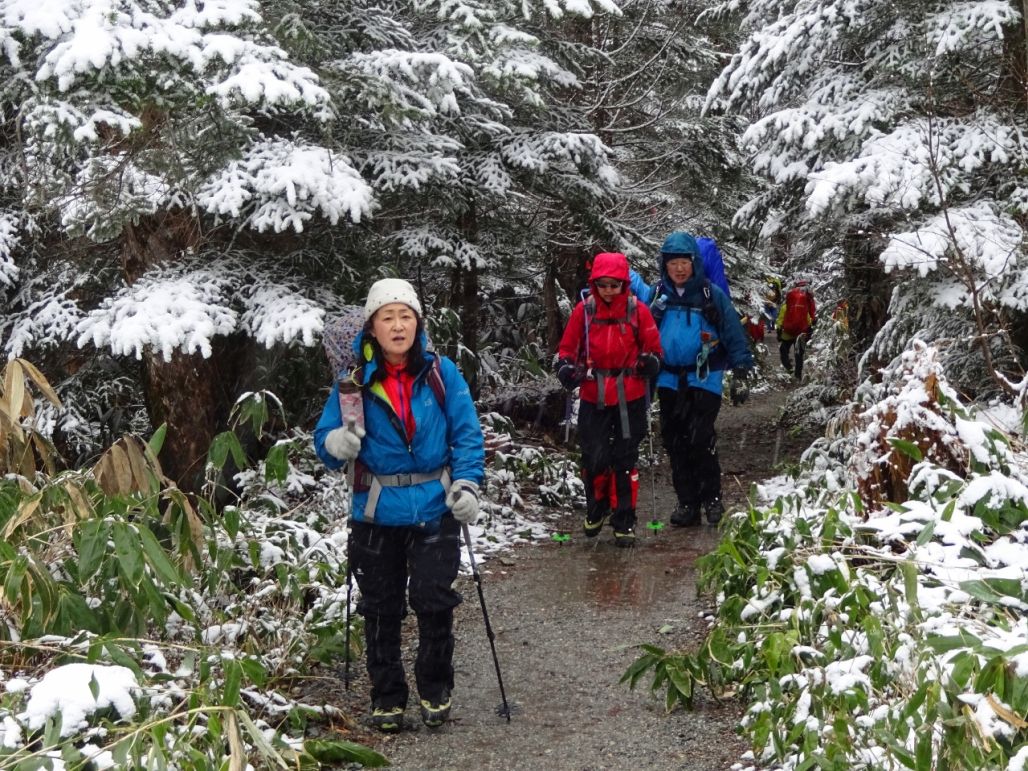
x=389 y=564
x=687 y=418
x=606 y=452
x=784 y=350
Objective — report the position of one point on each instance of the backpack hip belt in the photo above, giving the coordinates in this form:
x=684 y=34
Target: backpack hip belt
x=373 y=483
x=679 y=369
x=601 y=391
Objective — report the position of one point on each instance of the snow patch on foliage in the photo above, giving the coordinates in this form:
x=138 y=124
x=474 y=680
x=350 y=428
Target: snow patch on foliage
x=280 y=184
x=67 y=690
x=163 y=313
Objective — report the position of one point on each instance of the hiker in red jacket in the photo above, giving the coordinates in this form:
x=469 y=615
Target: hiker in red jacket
x=610 y=347
x=795 y=325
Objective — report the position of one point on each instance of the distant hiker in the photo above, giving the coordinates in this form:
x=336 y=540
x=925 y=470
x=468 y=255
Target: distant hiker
x=772 y=301
x=419 y=461
x=701 y=336
x=611 y=348
x=795 y=325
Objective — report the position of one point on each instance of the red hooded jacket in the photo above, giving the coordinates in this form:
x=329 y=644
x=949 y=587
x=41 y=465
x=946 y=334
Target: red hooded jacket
x=611 y=346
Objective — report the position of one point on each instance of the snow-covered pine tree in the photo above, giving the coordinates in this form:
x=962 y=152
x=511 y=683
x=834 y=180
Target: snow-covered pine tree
x=897 y=129
x=140 y=137
x=483 y=182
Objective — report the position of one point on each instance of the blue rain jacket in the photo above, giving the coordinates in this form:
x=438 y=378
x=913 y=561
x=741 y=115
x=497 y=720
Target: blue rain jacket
x=682 y=327
x=447 y=435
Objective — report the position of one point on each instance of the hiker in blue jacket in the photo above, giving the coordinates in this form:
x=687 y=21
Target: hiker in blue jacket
x=418 y=463
x=701 y=336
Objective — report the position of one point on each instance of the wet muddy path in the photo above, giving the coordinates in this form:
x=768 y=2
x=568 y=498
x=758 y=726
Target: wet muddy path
x=567 y=618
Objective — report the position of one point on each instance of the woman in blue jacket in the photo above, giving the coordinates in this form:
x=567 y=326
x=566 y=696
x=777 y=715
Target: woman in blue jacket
x=701 y=336
x=418 y=463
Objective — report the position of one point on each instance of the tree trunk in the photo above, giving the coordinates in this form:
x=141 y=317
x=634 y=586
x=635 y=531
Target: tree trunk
x=554 y=322
x=471 y=306
x=193 y=395
x=867 y=288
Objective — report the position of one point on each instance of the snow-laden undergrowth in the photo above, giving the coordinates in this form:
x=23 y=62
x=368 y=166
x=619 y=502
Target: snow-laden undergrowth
x=143 y=631
x=872 y=610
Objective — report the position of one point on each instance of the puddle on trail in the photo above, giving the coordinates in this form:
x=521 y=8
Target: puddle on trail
x=599 y=574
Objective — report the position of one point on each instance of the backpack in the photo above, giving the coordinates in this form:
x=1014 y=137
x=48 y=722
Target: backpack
x=713 y=264
x=631 y=318
x=797 y=311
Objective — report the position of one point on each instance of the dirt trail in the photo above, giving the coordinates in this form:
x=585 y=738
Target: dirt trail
x=566 y=619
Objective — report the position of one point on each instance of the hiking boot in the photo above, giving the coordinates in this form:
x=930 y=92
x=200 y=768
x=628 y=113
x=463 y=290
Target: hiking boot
x=624 y=539
x=595 y=519
x=714 y=509
x=434 y=714
x=388 y=720
x=686 y=515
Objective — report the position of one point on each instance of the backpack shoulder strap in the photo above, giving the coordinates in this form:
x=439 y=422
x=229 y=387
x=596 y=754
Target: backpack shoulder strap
x=436 y=382
x=632 y=316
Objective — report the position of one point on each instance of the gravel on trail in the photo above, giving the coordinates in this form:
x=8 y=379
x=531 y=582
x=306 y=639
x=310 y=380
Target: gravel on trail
x=567 y=618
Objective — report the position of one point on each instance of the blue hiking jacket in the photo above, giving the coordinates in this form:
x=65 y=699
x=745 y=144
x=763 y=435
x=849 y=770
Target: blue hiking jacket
x=447 y=435
x=682 y=327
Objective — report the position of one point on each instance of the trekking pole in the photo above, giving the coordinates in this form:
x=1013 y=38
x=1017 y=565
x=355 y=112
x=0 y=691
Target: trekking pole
x=485 y=615
x=568 y=407
x=351 y=481
x=653 y=460
x=654 y=524
x=349 y=595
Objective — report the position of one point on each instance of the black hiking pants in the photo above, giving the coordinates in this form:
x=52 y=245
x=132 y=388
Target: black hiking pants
x=383 y=559
x=606 y=452
x=687 y=418
x=784 y=350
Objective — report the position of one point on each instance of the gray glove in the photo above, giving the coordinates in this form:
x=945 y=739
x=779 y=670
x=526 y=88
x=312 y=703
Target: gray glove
x=463 y=501
x=345 y=442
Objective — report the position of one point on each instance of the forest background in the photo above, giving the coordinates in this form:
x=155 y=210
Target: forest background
x=190 y=190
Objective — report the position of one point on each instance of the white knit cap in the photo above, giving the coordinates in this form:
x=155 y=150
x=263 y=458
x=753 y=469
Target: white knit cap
x=390 y=290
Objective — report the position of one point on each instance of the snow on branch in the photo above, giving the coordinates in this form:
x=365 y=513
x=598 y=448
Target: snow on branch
x=987 y=239
x=406 y=84
x=48 y=321
x=277 y=313
x=51 y=118
x=584 y=8
x=164 y=312
x=963 y=25
x=9 y=241
x=209 y=41
x=539 y=152
x=280 y=184
x=394 y=171
x=525 y=66
x=108 y=188
x=256 y=81
x=900 y=168
x=445 y=248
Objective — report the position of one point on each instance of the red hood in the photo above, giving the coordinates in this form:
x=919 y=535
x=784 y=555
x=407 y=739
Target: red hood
x=609 y=265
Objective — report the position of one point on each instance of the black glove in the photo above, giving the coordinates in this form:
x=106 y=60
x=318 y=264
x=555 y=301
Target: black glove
x=712 y=314
x=739 y=391
x=569 y=375
x=647 y=366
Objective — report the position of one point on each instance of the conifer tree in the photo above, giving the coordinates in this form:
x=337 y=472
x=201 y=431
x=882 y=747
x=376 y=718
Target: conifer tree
x=896 y=129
